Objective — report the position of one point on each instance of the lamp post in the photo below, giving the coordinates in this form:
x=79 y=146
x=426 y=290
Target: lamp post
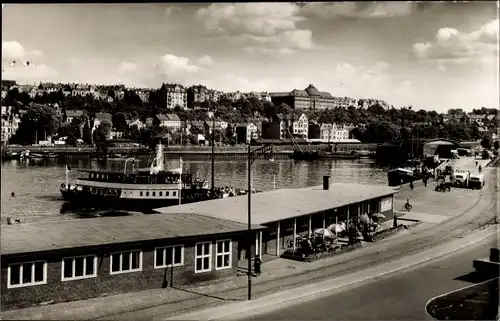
x=213 y=153
x=252 y=156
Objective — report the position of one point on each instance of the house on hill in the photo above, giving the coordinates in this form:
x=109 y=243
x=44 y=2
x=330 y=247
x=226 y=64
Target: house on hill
x=72 y=114
x=99 y=118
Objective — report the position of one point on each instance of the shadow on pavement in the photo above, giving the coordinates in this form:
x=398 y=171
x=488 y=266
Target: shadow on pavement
x=206 y=295
x=473 y=277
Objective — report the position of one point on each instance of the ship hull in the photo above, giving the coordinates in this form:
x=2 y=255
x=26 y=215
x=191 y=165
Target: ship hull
x=400 y=176
x=85 y=199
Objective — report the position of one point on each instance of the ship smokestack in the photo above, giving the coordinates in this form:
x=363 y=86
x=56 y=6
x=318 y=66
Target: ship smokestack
x=326 y=183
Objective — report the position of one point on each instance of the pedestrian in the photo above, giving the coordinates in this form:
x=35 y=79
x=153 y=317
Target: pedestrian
x=411 y=185
x=395 y=221
x=257 y=266
x=425 y=181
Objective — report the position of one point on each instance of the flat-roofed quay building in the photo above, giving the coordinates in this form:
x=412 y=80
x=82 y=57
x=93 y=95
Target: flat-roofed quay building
x=288 y=213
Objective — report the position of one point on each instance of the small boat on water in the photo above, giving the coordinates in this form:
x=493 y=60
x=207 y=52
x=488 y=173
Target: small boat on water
x=34 y=156
x=11 y=156
x=113 y=156
x=49 y=155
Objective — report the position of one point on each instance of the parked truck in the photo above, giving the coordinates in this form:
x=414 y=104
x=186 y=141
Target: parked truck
x=476 y=181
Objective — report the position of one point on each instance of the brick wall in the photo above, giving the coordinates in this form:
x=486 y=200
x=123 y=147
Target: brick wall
x=106 y=284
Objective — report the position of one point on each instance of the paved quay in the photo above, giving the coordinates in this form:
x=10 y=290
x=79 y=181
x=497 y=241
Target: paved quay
x=281 y=274
x=375 y=299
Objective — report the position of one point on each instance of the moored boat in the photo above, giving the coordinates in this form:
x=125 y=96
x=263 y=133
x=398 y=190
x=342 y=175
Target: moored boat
x=400 y=176
x=48 y=155
x=314 y=155
x=142 y=189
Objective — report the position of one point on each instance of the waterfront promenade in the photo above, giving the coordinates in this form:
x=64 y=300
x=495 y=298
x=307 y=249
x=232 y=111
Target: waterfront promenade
x=187 y=152
x=472 y=209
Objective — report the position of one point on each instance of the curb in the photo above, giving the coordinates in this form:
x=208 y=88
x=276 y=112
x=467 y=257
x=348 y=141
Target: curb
x=454 y=291
x=305 y=292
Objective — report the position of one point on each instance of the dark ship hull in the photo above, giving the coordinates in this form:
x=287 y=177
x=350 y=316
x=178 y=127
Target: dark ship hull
x=83 y=199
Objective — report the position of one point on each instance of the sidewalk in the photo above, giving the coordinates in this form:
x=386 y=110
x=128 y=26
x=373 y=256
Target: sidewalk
x=278 y=274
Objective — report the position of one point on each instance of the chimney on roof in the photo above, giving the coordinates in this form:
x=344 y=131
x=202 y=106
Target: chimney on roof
x=326 y=183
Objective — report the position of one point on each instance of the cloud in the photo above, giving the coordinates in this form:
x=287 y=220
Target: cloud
x=14 y=51
x=264 y=25
x=171 y=68
x=453 y=45
x=441 y=68
x=268 y=51
x=171 y=9
x=357 y=9
x=126 y=67
x=35 y=72
x=205 y=61
x=174 y=64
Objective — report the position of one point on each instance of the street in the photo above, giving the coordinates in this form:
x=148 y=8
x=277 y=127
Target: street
x=398 y=296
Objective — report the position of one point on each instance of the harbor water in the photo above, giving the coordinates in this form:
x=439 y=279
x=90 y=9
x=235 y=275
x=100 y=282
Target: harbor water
x=35 y=184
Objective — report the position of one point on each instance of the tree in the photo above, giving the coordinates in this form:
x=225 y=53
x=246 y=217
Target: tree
x=376 y=110
x=102 y=132
x=38 y=122
x=486 y=142
x=496 y=145
x=119 y=120
x=87 y=134
x=246 y=109
x=284 y=109
x=268 y=109
x=256 y=105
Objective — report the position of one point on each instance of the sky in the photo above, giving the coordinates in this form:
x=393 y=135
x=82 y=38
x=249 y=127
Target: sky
x=431 y=55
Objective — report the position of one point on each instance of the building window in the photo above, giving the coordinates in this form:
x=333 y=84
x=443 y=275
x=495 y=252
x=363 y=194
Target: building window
x=27 y=274
x=154 y=193
x=160 y=193
x=203 y=257
x=140 y=193
x=304 y=221
x=147 y=193
x=174 y=193
x=124 y=262
x=82 y=267
x=223 y=254
x=169 y=256
x=167 y=193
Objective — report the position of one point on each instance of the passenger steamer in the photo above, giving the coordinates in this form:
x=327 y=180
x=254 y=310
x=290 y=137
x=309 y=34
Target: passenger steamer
x=142 y=189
